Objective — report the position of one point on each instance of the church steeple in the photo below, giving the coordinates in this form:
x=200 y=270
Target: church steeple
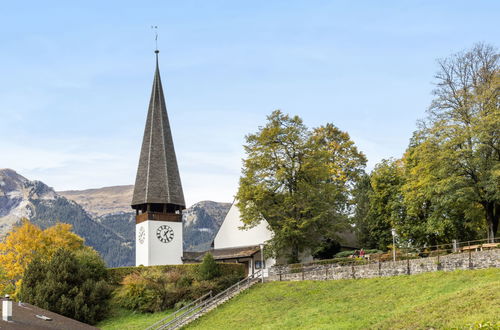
x=158 y=185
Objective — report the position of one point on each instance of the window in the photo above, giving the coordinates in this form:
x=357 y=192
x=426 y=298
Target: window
x=258 y=264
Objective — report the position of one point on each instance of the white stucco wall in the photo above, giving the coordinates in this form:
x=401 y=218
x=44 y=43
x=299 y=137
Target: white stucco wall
x=154 y=252
x=230 y=235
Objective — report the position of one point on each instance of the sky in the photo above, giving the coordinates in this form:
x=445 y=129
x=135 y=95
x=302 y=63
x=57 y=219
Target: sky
x=75 y=79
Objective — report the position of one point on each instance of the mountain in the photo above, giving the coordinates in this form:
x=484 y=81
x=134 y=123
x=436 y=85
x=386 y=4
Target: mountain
x=107 y=200
x=201 y=223
x=34 y=200
x=103 y=216
x=110 y=206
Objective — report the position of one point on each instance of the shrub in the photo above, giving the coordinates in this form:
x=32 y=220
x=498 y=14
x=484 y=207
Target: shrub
x=208 y=269
x=295 y=268
x=71 y=284
x=345 y=254
x=156 y=288
x=116 y=275
x=151 y=290
x=225 y=281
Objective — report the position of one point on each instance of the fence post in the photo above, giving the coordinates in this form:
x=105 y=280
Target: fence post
x=379 y=268
x=302 y=273
x=280 y=275
x=408 y=265
x=455 y=246
x=470 y=258
x=353 y=273
x=326 y=272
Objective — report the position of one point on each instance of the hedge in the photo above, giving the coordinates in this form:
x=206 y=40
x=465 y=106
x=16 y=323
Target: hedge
x=117 y=274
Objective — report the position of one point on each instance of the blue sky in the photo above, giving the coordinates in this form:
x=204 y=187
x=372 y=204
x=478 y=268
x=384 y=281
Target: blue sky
x=75 y=79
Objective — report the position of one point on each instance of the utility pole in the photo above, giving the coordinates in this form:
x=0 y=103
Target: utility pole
x=393 y=232
x=262 y=262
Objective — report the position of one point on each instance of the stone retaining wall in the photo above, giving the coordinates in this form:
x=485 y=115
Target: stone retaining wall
x=473 y=260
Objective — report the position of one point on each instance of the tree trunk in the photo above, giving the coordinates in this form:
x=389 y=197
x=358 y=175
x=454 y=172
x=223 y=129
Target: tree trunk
x=492 y=211
x=294 y=255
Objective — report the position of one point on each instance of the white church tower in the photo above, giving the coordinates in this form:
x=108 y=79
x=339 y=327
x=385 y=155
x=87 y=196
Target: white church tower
x=158 y=198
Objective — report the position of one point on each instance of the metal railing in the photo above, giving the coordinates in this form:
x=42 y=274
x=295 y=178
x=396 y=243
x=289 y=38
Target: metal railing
x=202 y=304
x=173 y=315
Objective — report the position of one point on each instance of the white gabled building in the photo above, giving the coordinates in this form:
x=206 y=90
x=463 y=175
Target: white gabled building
x=232 y=243
x=231 y=234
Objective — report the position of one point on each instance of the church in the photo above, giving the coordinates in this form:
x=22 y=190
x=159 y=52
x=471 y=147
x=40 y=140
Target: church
x=158 y=201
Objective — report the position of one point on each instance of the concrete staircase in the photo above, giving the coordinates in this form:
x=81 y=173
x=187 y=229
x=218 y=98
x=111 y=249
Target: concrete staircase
x=205 y=304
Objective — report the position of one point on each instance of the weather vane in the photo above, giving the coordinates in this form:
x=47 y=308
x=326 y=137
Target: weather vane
x=155 y=29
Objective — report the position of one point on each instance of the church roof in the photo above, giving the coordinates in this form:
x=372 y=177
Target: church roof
x=224 y=254
x=157 y=179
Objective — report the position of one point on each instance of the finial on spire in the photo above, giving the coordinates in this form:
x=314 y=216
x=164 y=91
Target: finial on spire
x=155 y=29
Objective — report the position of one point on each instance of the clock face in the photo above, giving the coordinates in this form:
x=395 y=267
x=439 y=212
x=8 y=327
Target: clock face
x=142 y=235
x=165 y=234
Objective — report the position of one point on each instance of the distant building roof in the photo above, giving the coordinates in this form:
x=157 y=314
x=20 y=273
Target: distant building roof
x=348 y=239
x=224 y=254
x=25 y=317
x=157 y=179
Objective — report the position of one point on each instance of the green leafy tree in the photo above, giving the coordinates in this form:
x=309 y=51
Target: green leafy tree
x=70 y=283
x=386 y=204
x=454 y=160
x=360 y=219
x=435 y=213
x=208 y=269
x=300 y=181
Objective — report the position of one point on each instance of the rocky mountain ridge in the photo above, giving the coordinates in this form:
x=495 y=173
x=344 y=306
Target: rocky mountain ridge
x=102 y=216
x=40 y=204
x=101 y=201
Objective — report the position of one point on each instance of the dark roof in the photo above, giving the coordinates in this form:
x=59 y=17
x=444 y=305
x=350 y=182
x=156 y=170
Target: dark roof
x=348 y=239
x=157 y=179
x=192 y=256
x=223 y=254
x=24 y=317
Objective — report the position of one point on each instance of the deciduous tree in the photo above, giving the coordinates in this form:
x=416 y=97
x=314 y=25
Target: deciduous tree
x=27 y=241
x=299 y=180
x=455 y=157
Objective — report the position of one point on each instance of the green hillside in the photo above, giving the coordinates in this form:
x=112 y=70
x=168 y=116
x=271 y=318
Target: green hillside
x=433 y=300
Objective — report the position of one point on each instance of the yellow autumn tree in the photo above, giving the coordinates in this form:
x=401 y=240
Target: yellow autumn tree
x=25 y=242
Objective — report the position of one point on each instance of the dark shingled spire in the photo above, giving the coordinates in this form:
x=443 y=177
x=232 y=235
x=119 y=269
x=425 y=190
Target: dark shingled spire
x=158 y=180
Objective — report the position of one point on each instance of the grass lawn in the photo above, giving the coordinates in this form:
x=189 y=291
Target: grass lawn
x=433 y=300
x=121 y=319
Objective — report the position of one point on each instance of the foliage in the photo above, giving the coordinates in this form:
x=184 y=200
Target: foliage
x=446 y=186
x=151 y=290
x=104 y=237
x=157 y=288
x=327 y=249
x=440 y=300
x=70 y=283
x=26 y=242
x=351 y=252
x=341 y=261
x=299 y=180
x=386 y=209
x=116 y=275
x=360 y=218
x=453 y=163
x=208 y=269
